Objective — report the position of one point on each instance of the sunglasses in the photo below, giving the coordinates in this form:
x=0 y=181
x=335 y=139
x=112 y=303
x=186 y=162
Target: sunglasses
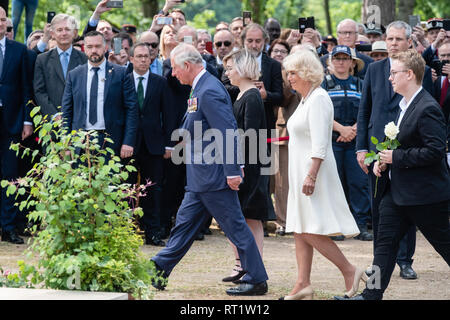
x=152 y=44
x=225 y=43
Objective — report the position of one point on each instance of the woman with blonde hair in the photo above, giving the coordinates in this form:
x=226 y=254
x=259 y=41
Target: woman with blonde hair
x=242 y=69
x=316 y=207
x=168 y=41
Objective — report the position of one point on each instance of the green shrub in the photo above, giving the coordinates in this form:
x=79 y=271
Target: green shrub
x=88 y=239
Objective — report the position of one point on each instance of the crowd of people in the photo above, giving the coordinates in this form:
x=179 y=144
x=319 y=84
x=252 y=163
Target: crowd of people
x=325 y=97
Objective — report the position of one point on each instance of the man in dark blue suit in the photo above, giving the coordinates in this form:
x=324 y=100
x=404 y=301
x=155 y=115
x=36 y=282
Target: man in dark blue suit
x=379 y=105
x=211 y=186
x=99 y=96
x=156 y=124
x=15 y=121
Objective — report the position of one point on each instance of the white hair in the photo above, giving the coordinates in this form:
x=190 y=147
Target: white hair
x=346 y=21
x=400 y=25
x=185 y=53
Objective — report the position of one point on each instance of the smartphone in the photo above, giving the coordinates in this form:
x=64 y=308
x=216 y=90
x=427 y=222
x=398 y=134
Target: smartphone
x=414 y=20
x=50 y=16
x=117 y=45
x=446 y=24
x=187 y=39
x=209 y=47
x=9 y=29
x=182 y=1
x=302 y=25
x=310 y=23
x=364 y=47
x=164 y=20
x=114 y=4
x=246 y=17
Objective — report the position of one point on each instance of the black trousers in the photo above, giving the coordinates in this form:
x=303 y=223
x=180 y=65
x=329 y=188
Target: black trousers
x=395 y=221
x=151 y=168
x=407 y=244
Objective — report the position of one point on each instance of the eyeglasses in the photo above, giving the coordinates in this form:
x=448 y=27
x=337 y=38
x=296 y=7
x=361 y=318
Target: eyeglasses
x=340 y=59
x=152 y=44
x=225 y=43
x=278 y=51
x=346 y=33
x=393 y=73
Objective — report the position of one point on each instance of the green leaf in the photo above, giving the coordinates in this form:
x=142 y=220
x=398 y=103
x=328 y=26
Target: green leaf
x=110 y=206
x=374 y=140
x=4 y=183
x=11 y=189
x=381 y=146
x=34 y=111
x=37 y=120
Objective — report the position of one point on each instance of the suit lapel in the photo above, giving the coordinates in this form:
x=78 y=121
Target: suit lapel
x=74 y=60
x=387 y=70
x=411 y=108
x=56 y=63
x=148 y=92
x=109 y=72
x=6 y=57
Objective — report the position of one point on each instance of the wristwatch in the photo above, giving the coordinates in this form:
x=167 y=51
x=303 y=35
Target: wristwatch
x=163 y=13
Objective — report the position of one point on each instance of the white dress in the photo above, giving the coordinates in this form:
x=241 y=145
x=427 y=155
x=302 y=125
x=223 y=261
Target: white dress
x=326 y=211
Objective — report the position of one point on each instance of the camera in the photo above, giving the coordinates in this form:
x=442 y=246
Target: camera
x=50 y=16
x=114 y=4
x=437 y=66
x=304 y=23
x=164 y=20
x=246 y=17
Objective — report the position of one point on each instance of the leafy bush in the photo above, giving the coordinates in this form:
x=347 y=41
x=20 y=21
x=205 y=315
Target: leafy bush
x=89 y=240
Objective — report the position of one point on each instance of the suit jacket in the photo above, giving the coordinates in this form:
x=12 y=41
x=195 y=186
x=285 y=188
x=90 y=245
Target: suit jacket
x=273 y=83
x=156 y=119
x=120 y=104
x=49 y=79
x=419 y=172
x=379 y=103
x=15 y=90
x=428 y=55
x=214 y=111
x=437 y=86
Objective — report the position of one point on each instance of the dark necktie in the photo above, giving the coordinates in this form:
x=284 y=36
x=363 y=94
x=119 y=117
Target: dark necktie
x=444 y=91
x=140 y=93
x=93 y=97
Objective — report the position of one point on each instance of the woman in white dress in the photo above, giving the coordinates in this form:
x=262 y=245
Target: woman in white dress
x=316 y=207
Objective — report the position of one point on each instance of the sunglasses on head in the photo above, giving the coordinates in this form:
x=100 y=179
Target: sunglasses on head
x=152 y=44
x=225 y=43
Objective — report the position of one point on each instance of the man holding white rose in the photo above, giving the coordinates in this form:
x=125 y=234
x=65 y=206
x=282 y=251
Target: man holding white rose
x=418 y=187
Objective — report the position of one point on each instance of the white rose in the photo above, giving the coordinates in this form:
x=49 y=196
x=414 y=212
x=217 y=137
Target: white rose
x=391 y=130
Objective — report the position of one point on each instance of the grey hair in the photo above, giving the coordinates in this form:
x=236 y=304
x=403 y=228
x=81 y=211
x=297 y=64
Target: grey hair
x=203 y=31
x=191 y=30
x=255 y=26
x=345 y=21
x=400 y=25
x=71 y=22
x=185 y=53
x=244 y=63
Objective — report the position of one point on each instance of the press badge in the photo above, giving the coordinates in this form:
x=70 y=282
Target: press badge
x=192 y=105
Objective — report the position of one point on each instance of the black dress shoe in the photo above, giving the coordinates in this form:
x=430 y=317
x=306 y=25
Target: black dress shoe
x=357 y=297
x=407 y=272
x=11 y=236
x=248 y=289
x=155 y=241
x=337 y=238
x=200 y=236
x=159 y=281
x=236 y=277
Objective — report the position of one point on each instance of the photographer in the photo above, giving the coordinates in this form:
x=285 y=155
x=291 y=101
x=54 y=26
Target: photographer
x=441 y=69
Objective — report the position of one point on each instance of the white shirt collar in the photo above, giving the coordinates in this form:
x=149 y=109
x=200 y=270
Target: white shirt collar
x=197 y=78
x=3 y=42
x=403 y=105
x=259 y=60
x=137 y=76
x=219 y=62
x=102 y=66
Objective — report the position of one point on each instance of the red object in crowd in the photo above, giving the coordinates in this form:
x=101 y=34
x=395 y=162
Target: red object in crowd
x=270 y=140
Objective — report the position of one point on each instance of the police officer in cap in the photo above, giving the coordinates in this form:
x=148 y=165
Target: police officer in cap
x=345 y=92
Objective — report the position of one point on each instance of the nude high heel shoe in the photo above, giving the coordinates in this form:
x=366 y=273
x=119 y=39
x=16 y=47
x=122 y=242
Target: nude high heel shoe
x=360 y=275
x=304 y=294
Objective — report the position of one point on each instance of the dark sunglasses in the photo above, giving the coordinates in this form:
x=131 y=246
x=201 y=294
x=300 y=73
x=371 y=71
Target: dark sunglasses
x=9 y=29
x=152 y=44
x=225 y=43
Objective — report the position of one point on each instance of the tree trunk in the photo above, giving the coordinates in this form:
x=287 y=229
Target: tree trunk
x=405 y=8
x=150 y=8
x=326 y=4
x=378 y=12
x=257 y=9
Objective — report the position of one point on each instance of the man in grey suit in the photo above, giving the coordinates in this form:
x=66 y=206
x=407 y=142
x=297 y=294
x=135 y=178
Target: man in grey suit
x=53 y=66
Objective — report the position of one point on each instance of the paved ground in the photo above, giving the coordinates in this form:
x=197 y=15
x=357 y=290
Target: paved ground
x=199 y=274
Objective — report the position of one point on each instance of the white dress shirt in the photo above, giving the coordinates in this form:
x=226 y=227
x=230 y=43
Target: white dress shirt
x=404 y=106
x=144 y=81
x=100 y=124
